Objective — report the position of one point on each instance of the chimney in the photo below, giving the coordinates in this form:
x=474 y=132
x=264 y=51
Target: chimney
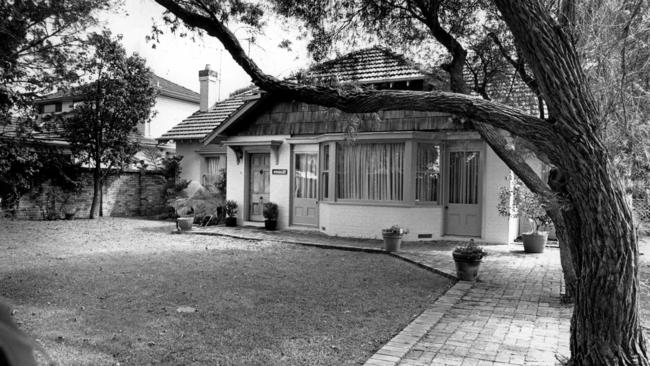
x=208 y=81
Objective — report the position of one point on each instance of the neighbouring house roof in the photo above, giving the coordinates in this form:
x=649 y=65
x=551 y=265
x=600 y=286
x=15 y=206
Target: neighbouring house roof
x=200 y=124
x=167 y=88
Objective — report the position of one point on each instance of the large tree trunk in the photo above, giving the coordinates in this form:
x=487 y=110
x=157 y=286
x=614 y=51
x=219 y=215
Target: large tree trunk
x=606 y=328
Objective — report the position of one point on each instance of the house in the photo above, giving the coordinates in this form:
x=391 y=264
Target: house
x=351 y=174
x=173 y=102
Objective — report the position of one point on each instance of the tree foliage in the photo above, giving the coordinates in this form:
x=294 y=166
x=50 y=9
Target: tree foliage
x=40 y=41
x=118 y=96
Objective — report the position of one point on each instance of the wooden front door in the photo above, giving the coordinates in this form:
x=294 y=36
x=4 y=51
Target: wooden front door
x=259 y=185
x=463 y=202
x=305 y=189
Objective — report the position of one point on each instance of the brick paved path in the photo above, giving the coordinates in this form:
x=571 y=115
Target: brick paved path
x=511 y=316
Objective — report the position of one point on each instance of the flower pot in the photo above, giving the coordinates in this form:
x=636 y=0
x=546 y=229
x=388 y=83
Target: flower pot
x=392 y=242
x=231 y=221
x=270 y=224
x=184 y=223
x=535 y=242
x=467 y=270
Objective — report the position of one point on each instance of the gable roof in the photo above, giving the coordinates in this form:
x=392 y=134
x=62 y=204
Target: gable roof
x=371 y=65
x=167 y=88
x=200 y=124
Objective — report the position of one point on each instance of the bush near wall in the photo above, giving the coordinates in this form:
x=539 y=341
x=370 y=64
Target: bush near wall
x=131 y=193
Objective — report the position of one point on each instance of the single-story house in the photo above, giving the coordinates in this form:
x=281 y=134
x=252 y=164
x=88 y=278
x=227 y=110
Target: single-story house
x=349 y=174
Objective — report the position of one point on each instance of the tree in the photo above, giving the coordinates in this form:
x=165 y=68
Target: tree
x=606 y=328
x=40 y=39
x=102 y=131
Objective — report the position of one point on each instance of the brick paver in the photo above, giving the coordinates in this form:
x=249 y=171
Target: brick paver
x=511 y=316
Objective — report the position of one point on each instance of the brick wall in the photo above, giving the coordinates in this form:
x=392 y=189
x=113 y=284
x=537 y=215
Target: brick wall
x=126 y=194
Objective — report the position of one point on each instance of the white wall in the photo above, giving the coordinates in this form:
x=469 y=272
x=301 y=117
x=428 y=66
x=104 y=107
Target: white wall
x=190 y=164
x=496 y=228
x=170 y=113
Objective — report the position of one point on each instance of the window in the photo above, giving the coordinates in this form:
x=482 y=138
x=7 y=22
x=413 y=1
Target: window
x=215 y=169
x=325 y=172
x=58 y=107
x=370 y=171
x=427 y=173
x=306 y=175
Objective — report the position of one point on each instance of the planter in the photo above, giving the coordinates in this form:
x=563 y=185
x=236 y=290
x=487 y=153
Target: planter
x=270 y=224
x=535 y=242
x=467 y=270
x=392 y=242
x=231 y=221
x=184 y=223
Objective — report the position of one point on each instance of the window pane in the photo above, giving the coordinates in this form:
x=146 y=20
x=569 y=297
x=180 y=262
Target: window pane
x=463 y=177
x=215 y=167
x=370 y=171
x=306 y=178
x=427 y=173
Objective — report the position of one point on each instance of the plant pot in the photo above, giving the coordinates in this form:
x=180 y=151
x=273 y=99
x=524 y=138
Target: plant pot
x=392 y=242
x=231 y=221
x=184 y=223
x=270 y=224
x=534 y=242
x=467 y=270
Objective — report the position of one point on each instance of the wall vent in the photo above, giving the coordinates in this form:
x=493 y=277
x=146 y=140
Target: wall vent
x=425 y=236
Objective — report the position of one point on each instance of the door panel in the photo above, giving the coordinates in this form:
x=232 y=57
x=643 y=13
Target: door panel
x=259 y=185
x=305 y=189
x=463 y=208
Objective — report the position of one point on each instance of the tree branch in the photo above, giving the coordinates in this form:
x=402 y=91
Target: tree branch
x=362 y=101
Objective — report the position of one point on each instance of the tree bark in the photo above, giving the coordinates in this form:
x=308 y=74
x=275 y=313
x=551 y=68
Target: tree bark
x=96 y=191
x=605 y=326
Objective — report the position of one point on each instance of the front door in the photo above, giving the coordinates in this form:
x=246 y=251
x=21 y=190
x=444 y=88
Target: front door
x=259 y=184
x=462 y=207
x=305 y=189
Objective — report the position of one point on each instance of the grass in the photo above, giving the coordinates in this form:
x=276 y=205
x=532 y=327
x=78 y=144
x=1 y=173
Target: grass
x=106 y=292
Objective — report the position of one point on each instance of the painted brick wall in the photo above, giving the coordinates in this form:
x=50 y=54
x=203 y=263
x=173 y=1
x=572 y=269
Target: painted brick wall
x=367 y=221
x=127 y=194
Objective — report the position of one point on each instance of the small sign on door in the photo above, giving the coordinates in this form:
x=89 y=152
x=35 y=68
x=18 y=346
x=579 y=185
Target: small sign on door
x=279 y=171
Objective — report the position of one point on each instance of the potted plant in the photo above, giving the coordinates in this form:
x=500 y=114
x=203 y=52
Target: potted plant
x=231 y=213
x=519 y=201
x=393 y=237
x=468 y=259
x=270 y=213
x=184 y=212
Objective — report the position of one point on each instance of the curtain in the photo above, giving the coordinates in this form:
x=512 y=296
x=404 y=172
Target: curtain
x=427 y=173
x=463 y=177
x=214 y=166
x=306 y=176
x=370 y=171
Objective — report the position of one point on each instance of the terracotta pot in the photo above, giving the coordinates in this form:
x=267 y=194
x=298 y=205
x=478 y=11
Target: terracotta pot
x=231 y=221
x=270 y=224
x=535 y=242
x=392 y=242
x=184 y=223
x=467 y=270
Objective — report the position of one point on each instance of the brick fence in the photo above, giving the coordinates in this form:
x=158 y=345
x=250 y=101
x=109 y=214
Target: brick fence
x=127 y=194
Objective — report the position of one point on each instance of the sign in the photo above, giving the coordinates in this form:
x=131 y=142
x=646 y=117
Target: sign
x=279 y=171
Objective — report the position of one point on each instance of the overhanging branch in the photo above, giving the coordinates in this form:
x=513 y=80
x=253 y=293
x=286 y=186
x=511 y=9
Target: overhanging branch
x=510 y=119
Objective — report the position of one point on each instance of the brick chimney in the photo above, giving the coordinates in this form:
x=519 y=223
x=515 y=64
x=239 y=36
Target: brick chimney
x=208 y=81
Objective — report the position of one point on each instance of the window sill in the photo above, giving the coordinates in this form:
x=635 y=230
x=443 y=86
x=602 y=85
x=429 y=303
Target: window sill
x=379 y=204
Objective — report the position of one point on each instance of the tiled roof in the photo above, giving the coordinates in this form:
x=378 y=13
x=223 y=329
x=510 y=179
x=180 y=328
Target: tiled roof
x=166 y=87
x=374 y=64
x=174 y=90
x=199 y=124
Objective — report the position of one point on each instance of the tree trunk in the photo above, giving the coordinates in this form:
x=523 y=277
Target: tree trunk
x=94 y=207
x=605 y=327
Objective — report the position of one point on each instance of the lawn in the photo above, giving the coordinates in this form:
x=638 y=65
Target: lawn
x=108 y=291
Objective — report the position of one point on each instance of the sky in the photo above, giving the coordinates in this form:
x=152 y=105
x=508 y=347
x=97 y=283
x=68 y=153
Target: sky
x=180 y=59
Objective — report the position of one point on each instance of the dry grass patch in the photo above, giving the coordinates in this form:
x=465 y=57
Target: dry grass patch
x=106 y=292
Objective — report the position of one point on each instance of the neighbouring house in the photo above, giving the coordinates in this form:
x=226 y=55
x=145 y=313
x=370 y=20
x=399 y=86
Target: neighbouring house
x=350 y=174
x=173 y=103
